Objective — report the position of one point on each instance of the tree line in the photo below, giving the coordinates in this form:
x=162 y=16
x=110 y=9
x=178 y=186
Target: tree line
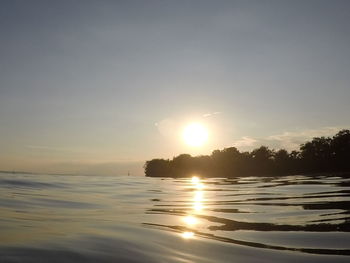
x=321 y=154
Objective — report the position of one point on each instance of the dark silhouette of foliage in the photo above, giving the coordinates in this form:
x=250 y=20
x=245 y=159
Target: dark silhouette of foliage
x=321 y=154
x=316 y=154
x=158 y=168
x=340 y=146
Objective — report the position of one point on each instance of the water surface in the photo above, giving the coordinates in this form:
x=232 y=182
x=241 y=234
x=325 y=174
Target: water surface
x=61 y=218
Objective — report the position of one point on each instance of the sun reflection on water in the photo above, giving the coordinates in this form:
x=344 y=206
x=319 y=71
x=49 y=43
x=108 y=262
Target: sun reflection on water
x=198 y=196
x=190 y=219
x=200 y=186
x=195 y=179
x=187 y=234
x=197 y=206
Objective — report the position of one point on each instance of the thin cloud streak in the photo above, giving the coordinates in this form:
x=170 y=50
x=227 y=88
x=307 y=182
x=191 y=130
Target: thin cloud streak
x=245 y=142
x=47 y=148
x=211 y=114
x=289 y=140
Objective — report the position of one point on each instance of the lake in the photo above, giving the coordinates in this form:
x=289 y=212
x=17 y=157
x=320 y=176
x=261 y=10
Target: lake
x=62 y=218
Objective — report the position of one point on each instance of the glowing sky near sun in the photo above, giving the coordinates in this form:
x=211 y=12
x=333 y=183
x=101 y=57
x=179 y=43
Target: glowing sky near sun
x=92 y=84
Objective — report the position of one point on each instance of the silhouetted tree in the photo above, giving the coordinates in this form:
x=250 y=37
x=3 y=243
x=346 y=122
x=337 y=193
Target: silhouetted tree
x=262 y=160
x=282 y=161
x=316 y=155
x=227 y=161
x=202 y=164
x=182 y=165
x=321 y=154
x=158 y=168
x=340 y=147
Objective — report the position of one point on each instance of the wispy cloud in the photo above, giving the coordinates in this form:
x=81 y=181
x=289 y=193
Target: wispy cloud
x=210 y=114
x=245 y=142
x=291 y=140
x=46 y=148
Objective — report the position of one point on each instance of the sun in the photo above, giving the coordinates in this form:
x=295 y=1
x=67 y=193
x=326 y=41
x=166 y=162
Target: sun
x=195 y=134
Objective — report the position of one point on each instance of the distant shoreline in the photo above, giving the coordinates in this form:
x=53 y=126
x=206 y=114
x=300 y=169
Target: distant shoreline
x=33 y=173
x=16 y=172
x=334 y=174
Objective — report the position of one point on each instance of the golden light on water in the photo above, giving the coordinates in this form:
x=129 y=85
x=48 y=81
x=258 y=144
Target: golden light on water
x=200 y=186
x=190 y=220
x=195 y=179
x=197 y=182
x=198 y=196
x=195 y=134
x=187 y=235
x=197 y=206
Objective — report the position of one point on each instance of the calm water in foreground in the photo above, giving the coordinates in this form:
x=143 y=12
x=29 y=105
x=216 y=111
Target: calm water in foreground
x=57 y=218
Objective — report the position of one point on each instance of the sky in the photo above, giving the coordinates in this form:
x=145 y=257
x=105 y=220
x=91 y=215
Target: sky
x=101 y=86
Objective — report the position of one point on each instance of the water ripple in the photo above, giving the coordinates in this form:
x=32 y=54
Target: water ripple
x=56 y=218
